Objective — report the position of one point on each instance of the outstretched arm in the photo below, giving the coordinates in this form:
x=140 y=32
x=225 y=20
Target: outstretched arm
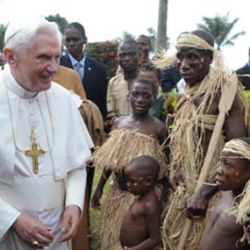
x=98 y=192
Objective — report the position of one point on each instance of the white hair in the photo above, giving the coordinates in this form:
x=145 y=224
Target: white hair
x=19 y=36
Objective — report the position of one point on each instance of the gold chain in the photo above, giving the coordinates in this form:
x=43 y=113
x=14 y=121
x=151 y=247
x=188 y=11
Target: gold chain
x=32 y=134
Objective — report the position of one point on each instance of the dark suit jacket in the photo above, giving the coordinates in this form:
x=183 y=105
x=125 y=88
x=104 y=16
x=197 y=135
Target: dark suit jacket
x=94 y=82
x=169 y=78
x=245 y=80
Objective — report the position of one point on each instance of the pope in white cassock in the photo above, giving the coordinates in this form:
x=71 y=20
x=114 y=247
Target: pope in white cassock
x=44 y=144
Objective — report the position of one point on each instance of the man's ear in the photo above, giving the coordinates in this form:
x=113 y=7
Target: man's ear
x=10 y=56
x=85 y=39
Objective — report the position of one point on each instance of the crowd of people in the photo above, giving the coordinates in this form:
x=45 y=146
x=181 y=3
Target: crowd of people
x=177 y=166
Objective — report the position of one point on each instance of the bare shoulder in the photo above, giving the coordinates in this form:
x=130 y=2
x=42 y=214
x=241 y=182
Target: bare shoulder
x=121 y=122
x=152 y=204
x=238 y=103
x=160 y=127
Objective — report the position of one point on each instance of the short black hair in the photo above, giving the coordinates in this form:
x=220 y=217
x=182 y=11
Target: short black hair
x=146 y=82
x=206 y=36
x=131 y=42
x=148 y=40
x=77 y=26
x=147 y=165
x=150 y=67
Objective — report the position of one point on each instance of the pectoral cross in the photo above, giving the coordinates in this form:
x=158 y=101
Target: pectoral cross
x=34 y=152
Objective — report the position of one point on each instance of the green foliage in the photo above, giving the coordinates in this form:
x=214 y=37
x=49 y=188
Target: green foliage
x=61 y=21
x=127 y=36
x=2 y=32
x=152 y=36
x=95 y=213
x=221 y=28
x=105 y=52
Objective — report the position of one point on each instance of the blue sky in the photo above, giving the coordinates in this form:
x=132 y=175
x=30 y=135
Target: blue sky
x=107 y=19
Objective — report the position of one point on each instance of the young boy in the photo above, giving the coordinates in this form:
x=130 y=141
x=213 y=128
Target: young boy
x=222 y=232
x=140 y=228
x=133 y=135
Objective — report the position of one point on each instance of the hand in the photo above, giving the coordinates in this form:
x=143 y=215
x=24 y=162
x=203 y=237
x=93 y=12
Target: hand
x=196 y=205
x=108 y=125
x=70 y=222
x=96 y=198
x=32 y=231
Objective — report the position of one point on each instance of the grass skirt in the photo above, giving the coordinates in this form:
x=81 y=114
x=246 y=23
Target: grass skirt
x=123 y=146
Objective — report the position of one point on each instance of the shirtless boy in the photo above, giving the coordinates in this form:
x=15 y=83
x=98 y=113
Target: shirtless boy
x=140 y=228
x=222 y=232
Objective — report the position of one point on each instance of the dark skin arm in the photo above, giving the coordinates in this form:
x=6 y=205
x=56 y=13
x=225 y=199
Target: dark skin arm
x=99 y=190
x=197 y=204
x=234 y=126
x=104 y=177
x=162 y=137
x=165 y=192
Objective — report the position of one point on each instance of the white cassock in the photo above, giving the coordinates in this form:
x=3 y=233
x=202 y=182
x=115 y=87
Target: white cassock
x=60 y=132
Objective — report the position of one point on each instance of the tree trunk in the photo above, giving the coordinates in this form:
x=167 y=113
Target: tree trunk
x=161 y=39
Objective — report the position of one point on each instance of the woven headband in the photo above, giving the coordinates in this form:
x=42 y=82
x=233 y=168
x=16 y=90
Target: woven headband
x=237 y=147
x=192 y=41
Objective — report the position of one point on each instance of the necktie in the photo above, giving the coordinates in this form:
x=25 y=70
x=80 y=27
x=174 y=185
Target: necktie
x=78 y=69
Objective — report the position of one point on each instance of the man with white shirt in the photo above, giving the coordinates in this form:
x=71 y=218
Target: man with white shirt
x=44 y=144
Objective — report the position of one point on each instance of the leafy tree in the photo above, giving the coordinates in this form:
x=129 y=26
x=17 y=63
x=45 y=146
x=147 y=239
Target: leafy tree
x=152 y=36
x=127 y=36
x=105 y=52
x=221 y=28
x=61 y=21
x=2 y=32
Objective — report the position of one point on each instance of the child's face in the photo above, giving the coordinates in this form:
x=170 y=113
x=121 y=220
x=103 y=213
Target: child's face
x=136 y=183
x=141 y=98
x=232 y=174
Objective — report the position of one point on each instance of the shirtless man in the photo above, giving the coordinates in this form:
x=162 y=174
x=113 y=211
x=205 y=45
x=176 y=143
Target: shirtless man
x=198 y=111
x=222 y=232
x=140 y=228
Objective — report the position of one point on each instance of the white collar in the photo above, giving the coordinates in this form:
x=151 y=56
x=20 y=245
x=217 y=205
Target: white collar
x=15 y=87
x=74 y=61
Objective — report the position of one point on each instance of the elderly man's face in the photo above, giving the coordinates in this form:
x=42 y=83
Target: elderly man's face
x=194 y=64
x=34 y=68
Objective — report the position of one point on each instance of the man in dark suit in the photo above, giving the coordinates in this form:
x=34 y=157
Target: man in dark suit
x=94 y=80
x=170 y=76
x=244 y=74
x=92 y=73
